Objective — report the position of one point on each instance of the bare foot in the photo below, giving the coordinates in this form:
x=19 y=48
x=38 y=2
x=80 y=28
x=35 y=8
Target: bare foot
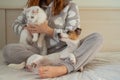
x=52 y=71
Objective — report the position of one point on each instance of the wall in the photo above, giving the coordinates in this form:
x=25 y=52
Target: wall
x=98 y=3
x=12 y=3
x=2 y=28
x=105 y=22
x=81 y=3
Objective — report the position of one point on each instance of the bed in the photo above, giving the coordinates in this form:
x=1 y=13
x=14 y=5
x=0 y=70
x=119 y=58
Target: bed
x=105 y=66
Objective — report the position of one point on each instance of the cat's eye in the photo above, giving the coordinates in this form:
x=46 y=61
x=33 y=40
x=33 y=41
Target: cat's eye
x=32 y=17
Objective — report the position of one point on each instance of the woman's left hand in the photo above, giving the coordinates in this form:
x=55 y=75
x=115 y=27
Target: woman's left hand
x=52 y=71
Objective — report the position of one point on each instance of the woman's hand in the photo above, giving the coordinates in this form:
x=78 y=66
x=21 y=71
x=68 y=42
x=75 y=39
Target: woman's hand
x=52 y=71
x=42 y=28
x=35 y=28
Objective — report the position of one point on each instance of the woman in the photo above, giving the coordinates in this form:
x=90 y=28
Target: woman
x=62 y=15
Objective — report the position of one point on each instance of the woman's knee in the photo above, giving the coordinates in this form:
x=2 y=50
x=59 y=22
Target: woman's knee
x=10 y=48
x=6 y=52
x=97 y=37
x=9 y=51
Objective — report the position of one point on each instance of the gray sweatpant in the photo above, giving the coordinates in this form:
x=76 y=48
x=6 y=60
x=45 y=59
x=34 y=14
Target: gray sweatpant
x=17 y=53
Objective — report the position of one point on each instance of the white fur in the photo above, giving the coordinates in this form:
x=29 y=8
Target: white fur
x=34 y=15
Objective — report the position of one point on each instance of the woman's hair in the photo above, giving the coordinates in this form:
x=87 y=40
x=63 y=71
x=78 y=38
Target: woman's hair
x=38 y=2
x=57 y=7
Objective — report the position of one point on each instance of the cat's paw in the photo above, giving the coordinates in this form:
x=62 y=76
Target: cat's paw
x=34 y=39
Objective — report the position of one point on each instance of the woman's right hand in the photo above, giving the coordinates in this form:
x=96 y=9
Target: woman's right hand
x=42 y=28
x=28 y=28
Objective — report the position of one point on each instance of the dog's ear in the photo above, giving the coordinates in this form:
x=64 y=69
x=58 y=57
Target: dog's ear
x=78 y=31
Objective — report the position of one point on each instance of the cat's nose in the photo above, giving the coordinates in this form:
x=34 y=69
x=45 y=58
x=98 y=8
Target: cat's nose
x=59 y=35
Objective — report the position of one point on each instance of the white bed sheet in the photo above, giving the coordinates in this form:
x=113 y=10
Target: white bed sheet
x=105 y=66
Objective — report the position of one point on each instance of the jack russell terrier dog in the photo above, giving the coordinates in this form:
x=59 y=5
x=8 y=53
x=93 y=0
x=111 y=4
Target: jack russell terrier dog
x=71 y=38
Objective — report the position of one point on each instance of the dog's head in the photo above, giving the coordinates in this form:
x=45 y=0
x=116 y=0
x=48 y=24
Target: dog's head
x=35 y=13
x=70 y=36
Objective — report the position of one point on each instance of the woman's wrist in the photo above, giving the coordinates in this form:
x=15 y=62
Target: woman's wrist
x=64 y=68
x=49 y=31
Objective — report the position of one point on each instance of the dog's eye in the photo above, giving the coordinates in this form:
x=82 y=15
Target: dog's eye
x=32 y=17
x=34 y=65
x=68 y=32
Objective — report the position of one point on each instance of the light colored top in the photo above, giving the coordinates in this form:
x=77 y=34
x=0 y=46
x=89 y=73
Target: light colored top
x=68 y=19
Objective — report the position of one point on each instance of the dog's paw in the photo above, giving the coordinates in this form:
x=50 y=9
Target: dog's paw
x=72 y=58
x=81 y=69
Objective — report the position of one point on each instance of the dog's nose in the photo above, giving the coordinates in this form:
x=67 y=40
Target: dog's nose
x=59 y=35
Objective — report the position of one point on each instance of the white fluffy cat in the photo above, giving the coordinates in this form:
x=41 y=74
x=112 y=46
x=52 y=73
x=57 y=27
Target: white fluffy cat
x=34 y=15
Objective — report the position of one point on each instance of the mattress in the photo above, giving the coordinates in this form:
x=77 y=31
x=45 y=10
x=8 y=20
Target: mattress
x=105 y=66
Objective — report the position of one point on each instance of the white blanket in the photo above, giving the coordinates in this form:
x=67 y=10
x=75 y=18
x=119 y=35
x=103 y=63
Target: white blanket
x=105 y=66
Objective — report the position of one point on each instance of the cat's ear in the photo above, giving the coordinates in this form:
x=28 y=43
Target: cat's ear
x=26 y=10
x=35 y=11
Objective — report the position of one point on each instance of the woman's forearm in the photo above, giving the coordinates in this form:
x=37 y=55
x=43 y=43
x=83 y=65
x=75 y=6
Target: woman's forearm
x=49 y=31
